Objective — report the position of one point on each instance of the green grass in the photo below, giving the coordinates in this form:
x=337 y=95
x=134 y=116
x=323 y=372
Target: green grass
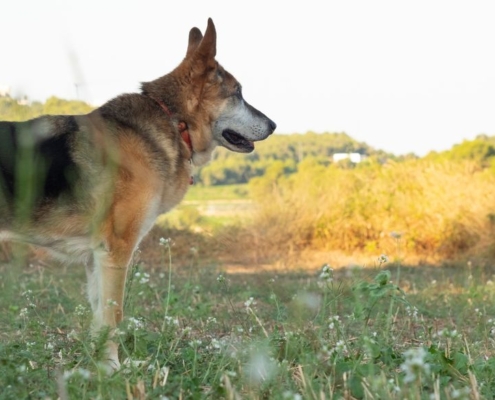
x=210 y=208
x=224 y=192
x=214 y=335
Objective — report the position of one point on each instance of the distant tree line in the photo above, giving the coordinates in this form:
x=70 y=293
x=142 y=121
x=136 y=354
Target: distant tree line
x=279 y=154
x=12 y=109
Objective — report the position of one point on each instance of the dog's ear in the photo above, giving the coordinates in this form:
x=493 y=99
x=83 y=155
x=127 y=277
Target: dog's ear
x=207 y=49
x=195 y=37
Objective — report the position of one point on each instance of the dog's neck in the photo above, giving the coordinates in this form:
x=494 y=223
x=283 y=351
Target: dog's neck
x=182 y=127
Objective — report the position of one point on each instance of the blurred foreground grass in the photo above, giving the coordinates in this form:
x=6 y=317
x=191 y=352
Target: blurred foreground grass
x=388 y=332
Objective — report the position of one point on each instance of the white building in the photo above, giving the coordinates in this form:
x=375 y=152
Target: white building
x=353 y=157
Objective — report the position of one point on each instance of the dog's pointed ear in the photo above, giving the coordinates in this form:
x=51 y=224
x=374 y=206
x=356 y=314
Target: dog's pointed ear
x=195 y=37
x=207 y=49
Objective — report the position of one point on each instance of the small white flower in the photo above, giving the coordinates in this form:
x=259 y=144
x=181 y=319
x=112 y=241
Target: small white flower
x=249 y=302
x=221 y=278
x=326 y=273
x=83 y=373
x=80 y=310
x=171 y=320
x=118 y=332
x=23 y=313
x=134 y=324
x=145 y=278
x=453 y=334
x=195 y=343
x=334 y=320
x=412 y=312
x=165 y=242
x=383 y=259
x=414 y=364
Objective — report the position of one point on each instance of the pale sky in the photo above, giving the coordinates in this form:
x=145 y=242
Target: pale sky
x=402 y=76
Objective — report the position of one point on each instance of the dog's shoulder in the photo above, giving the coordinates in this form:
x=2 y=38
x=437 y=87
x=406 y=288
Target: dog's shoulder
x=129 y=110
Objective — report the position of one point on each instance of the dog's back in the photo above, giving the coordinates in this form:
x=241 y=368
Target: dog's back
x=36 y=165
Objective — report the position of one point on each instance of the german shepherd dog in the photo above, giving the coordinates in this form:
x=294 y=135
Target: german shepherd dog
x=88 y=188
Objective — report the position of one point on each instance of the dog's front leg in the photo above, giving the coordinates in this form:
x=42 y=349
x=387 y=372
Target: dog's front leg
x=106 y=293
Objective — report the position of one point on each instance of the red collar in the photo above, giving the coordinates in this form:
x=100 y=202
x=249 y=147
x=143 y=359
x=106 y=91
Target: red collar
x=183 y=130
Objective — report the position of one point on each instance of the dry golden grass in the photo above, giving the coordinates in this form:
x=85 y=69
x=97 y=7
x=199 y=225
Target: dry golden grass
x=440 y=210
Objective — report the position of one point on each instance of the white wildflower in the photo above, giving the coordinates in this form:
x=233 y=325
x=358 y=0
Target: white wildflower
x=171 y=320
x=145 y=278
x=118 y=332
x=334 y=320
x=249 y=302
x=215 y=344
x=134 y=324
x=326 y=273
x=195 y=343
x=165 y=242
x=450 y=334
x=82 y=372
x=414 y=364
x=382 y=259
x=412 y=312
x=80 y=310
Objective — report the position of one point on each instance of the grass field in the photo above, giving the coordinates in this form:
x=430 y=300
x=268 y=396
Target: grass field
x=210 y=208
x=389 y=332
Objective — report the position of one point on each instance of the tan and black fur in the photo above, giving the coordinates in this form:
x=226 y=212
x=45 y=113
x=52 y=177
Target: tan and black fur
x=88 y=188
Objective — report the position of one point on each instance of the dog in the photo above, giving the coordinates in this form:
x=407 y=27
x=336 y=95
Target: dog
x=88 y=188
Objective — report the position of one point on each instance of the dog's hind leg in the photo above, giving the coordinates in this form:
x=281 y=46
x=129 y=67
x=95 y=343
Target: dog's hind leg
x=92 y=287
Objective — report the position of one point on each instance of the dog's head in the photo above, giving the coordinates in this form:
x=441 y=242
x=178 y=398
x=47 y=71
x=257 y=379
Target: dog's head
x=235 y=123
x=210 y=101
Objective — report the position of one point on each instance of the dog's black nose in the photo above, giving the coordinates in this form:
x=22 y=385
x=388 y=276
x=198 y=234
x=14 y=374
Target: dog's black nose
x=272 y=124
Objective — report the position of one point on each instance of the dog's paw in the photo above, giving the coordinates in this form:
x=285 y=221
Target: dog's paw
x=109 y=366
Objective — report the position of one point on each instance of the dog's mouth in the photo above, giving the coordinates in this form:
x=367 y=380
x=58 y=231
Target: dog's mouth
x=240 y=143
